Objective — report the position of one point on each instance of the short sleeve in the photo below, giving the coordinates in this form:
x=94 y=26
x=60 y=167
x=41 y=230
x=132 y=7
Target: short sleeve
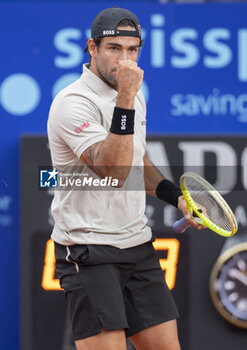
x=78 y=122
x=143 y=102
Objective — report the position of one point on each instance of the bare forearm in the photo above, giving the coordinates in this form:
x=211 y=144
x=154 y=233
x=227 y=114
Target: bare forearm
x=115 y=157
x=152 y=177
x=158 y=186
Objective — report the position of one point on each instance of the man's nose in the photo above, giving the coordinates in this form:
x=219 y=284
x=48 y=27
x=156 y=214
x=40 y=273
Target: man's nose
x=123 y=55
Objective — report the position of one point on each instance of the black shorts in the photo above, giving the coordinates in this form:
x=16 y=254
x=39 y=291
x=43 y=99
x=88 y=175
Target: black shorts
x=113 y=288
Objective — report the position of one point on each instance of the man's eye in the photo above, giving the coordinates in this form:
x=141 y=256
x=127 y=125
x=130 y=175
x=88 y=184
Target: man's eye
x=113 y=48
x=133 y=50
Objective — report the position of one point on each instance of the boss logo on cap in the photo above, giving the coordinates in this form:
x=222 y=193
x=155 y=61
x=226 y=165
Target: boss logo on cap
x=108 y=32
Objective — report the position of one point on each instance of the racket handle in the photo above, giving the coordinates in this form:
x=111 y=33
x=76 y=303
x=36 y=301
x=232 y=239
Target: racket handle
x=180 y=226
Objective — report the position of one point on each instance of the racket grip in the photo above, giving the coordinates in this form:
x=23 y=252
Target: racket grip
x=180 y=226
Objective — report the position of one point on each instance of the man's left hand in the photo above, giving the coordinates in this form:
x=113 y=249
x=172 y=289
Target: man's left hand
x=187 y=214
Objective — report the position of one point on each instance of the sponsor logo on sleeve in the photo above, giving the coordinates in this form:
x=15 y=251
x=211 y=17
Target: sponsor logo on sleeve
x=82 y=127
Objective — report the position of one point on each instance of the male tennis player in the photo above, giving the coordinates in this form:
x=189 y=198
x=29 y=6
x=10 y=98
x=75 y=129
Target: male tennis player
x=106 y=262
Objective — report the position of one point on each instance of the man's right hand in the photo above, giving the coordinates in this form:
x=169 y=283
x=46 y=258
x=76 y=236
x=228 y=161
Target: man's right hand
x=129 y=77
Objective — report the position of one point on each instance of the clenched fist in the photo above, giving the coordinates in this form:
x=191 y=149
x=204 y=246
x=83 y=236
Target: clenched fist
x=129 y=77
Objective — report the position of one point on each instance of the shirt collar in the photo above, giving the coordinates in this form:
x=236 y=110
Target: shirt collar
x=97 y=85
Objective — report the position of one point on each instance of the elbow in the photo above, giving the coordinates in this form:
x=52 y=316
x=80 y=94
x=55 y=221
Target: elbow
x=120 y=175
x=114 y=179
x=120 y=182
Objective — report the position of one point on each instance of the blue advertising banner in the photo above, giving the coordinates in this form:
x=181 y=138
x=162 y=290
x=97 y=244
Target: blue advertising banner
x=194 y=58
x=195 y=63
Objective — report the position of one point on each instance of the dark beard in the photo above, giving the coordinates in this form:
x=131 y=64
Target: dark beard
x=107 y=78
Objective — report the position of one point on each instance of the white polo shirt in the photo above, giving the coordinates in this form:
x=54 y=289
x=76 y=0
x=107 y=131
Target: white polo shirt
x=80 y=116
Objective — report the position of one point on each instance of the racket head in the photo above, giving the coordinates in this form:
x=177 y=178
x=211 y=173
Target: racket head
x=197 y=190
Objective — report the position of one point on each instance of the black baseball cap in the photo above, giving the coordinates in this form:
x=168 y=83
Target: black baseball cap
x=107 y=21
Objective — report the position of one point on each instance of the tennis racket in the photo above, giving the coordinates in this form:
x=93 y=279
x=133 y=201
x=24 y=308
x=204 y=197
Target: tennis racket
x=207 y=205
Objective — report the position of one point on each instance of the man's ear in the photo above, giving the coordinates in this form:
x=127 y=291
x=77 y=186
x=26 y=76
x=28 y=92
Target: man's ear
x=92 y=48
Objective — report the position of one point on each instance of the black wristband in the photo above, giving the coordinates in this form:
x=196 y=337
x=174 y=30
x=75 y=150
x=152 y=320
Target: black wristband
x=123 y=121
x=168 y=192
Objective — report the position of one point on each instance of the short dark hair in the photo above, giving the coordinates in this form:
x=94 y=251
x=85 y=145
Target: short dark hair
x=126 y=23
x=123 y=23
